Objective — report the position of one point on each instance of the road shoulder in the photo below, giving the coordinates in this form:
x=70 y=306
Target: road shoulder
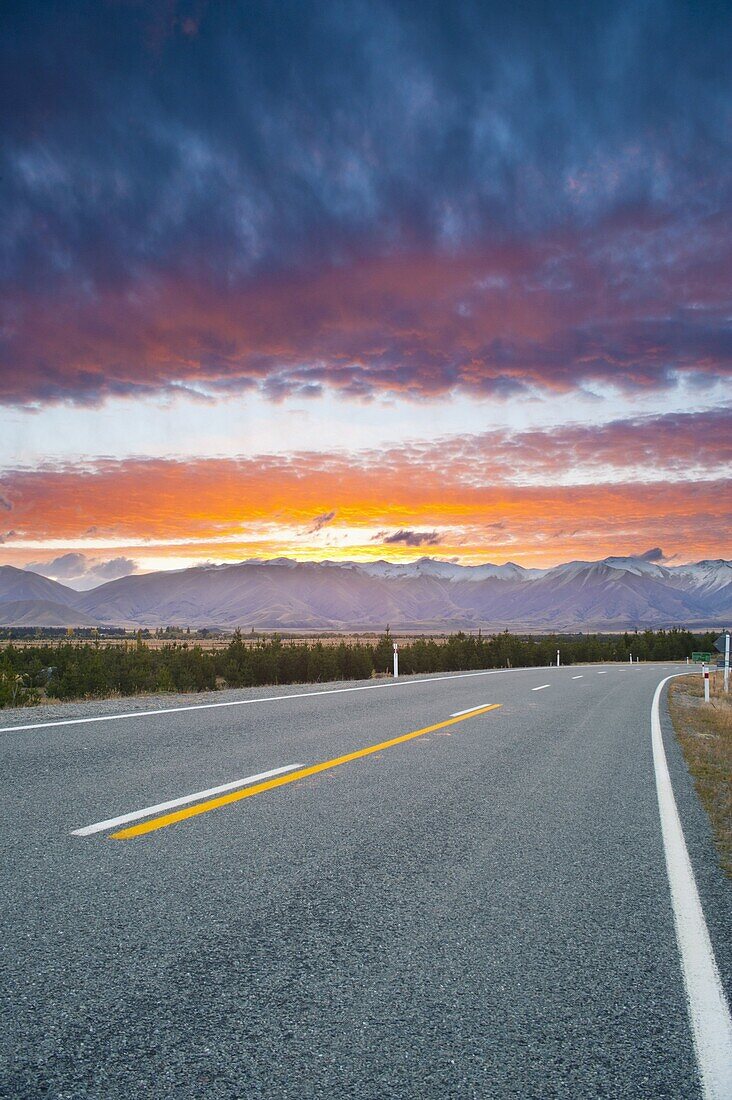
x=712 y=883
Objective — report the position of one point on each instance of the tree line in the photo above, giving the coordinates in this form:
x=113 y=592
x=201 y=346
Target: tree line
x=69 y=670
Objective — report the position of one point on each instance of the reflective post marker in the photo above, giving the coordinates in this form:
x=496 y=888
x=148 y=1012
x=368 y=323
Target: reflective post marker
x=705 y=672
x=722 y=646
x=396 y=660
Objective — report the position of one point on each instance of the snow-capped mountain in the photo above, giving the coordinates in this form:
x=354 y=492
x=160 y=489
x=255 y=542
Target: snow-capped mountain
x=436 y=567
x=704 y=576
x=618 y=593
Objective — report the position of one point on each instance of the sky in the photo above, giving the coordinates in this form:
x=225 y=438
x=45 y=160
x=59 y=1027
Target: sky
x=355 y=280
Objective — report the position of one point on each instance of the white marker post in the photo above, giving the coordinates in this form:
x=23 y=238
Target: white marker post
x=631 y=658
x=557 y=658
x=722 y=646
x=396 y=661
x=705 y=673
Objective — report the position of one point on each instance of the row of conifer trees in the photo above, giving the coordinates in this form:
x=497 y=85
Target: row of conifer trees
x=69 y=670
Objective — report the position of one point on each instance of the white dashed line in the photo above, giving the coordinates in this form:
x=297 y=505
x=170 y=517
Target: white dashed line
x=469 y=710
x=110 y=823
x=540 y=687
x=388 y=686
x=578 y=677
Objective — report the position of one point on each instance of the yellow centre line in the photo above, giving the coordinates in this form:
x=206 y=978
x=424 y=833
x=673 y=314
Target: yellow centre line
x=281 y=780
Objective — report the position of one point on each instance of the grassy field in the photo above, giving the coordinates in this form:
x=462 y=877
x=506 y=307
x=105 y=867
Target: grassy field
x=705 y=733
x=213 y=641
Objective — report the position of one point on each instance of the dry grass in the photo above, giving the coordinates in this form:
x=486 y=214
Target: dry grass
x=704 y=731
x=217 y=641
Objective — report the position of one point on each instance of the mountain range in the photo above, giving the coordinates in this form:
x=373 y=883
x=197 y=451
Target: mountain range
x=617 y=593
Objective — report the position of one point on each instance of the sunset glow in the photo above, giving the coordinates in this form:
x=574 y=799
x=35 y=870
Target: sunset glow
x=361 y=309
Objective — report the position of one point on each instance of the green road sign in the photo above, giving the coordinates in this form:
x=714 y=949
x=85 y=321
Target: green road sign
x=701 y=658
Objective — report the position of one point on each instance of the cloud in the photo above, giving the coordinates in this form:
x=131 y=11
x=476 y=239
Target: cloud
x=321 y=521
x=5 y=504
x=675 y=444
x=647 y=481
x=113 y=568
x=393 y=326
x=62 y=568
x=653 y=555
x=413 y=538
x=82 y=572
x=371 y=199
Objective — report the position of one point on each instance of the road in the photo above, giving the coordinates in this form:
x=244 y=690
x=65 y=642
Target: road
x=480 y=910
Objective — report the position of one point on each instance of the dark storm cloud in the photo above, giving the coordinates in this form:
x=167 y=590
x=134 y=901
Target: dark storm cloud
x=193 y=192
x=411 y=538
x=320 y=522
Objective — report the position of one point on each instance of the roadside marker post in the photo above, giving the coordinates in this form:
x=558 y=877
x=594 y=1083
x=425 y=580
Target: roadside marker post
x=722 y=646
x=705 y=673
x=396 y=661
x=557 y=658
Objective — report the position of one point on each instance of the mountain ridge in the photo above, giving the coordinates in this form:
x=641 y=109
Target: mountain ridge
x=429 y=594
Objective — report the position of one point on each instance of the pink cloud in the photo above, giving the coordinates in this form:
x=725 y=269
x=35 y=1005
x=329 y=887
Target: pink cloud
x=626 y=304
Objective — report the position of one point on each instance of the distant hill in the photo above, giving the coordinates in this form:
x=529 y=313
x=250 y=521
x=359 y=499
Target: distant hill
x=42 y=613
x=618 y=593
x=21 y=584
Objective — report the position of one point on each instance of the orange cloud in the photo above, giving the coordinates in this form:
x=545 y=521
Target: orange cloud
x=473 y=496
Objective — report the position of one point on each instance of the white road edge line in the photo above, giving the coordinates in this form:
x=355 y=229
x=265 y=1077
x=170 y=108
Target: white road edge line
x=540 y=687
x=250 y=702
x=603 y=673
x=469 y=710
x=101 y=826
x=709 y=1013
x=264 y=699
x=577 y=677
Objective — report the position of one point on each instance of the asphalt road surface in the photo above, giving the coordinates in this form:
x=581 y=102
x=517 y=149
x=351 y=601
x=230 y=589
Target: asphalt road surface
x=480 y=910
